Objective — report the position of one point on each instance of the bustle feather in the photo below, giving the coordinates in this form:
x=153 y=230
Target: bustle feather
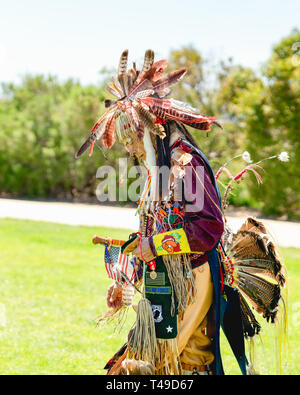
x=253 y=266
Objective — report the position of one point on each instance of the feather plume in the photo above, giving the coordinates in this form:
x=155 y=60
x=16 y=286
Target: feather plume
x=133 y=75
x=96 y=132
x=138 y=122
x=114 y=90
x=155 y=73
x=199 y=126
x=135 y=72
x=108 y=138
x=122 y=72
x=263 y=267
x=182 y=106
x=130 y=80
x=250 y=324
x=163 y=93
x=157 y=69
x=122 y=69
x=115 y=82
x=90 y=141
x=169 y=80
x=142 y=86
x=151 y=75
x=263 y=295
x=149 y=121
x=147 y=66
x=169 y=109
x=144 y=93
x=108 y=103
x=134 y=91
x=148 y=61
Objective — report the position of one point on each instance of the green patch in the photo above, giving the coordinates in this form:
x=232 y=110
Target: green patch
x=159 y=290
x=161 y=301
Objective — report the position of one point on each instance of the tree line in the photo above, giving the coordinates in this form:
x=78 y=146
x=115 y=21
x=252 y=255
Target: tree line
x=43 y=121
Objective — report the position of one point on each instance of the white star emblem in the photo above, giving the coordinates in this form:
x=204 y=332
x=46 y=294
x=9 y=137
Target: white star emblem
x=169 y=329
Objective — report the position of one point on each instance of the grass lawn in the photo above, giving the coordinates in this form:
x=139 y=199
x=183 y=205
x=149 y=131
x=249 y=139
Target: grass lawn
x=52 y=287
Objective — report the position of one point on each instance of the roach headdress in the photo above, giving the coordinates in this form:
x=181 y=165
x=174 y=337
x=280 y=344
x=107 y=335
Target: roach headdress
x=141 y=103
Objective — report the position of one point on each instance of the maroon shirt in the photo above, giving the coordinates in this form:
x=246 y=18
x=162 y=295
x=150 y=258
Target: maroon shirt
x=203 y=221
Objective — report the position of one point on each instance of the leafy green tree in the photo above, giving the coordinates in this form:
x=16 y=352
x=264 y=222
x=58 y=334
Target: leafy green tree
x=271 y=111
x=214 y=89
x=42 y=123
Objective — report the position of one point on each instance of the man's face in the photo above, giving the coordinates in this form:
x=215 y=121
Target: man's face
x=135 y=147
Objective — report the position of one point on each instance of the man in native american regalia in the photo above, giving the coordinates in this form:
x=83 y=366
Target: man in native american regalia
x=193 y=276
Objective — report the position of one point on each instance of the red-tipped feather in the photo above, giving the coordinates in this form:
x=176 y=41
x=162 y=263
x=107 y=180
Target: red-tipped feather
x=91 y=149
x=170 y=79
x=108 y=138
x=151 y=75
x=166 y=109
x=96 y=133
x=158 y=68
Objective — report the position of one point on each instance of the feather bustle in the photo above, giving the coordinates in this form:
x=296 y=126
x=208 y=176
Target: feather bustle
x=254 y=267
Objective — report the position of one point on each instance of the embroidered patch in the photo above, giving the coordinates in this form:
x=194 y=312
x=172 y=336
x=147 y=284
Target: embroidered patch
x=159 y=280
x=159 y=290
x=173 y=242
x=169 y=329
x=157 y=313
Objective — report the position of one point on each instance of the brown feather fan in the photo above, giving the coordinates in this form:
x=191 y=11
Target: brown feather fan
x=253 y=266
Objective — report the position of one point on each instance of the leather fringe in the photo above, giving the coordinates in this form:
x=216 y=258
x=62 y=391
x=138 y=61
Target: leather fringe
x=182 y=280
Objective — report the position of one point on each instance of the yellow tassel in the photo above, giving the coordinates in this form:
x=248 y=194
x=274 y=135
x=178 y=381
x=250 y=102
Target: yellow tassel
x=184 y=288
x=168 y=361
x=142 y=343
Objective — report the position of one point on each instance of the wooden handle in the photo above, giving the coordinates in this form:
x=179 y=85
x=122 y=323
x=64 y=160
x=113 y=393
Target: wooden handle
x=106 y=240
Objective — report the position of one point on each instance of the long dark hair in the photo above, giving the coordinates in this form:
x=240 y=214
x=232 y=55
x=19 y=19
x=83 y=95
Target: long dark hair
x=163 y=145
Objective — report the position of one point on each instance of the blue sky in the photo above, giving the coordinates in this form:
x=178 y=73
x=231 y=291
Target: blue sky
x=76 y=38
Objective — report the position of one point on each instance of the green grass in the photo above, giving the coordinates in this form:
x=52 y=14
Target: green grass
x=52 y=287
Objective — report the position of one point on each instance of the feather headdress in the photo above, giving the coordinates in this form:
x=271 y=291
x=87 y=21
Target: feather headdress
x=140 y=102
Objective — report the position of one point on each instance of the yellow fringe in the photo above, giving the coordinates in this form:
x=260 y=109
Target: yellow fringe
x=168 y=361
x=142 y=343
x=184 y=288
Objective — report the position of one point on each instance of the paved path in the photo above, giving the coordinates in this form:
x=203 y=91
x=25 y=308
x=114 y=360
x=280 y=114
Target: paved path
x=287 y=234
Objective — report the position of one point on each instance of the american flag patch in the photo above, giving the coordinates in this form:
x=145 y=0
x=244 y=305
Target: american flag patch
x=114 y=260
